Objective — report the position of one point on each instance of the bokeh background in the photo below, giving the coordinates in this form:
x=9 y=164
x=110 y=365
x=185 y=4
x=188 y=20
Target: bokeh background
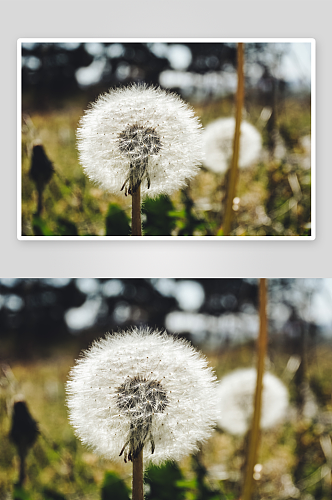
x=44 y=324
x=273 y=195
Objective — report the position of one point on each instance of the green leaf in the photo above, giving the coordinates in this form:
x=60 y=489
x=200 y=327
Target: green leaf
x=49 y=494
x=163 y=482
x=20 y=494
x=114 y=488
x=66 y=227
x=40 y=228
x=159 y=215
x=187 y=483
x=117 y=221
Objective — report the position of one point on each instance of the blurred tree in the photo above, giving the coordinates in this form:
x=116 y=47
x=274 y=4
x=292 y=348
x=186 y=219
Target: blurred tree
x=33 y=312
x=35 y=319
x=49 y=70
x=135 y=62
x=207 y=57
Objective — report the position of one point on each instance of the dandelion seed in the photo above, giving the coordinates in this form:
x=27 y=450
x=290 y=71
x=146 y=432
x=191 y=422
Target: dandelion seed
x=143 y=409
x=236 y=400
x=218 y=139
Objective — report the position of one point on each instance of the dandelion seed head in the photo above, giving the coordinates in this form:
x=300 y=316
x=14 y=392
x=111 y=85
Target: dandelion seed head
x=236 y=393
x=140 y=133
x=142 y=389
x=218 y=140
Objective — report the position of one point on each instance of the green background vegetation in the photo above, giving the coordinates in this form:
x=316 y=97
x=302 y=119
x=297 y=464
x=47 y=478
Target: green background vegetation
x=59 y=466
x=74 y=206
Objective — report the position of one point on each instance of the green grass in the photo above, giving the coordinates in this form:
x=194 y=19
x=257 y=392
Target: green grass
x=60 y=463
x=73 y=205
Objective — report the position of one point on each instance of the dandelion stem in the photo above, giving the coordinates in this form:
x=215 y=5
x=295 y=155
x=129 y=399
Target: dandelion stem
x=254 y=433
x=137 y=493
x=136 y=224
x=233 y=172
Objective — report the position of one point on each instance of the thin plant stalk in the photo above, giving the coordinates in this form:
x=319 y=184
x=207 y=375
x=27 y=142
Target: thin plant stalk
x=137 y=492
x=136 y=223
x=233 y=172
x=252 y=449
x=22 y=455
x=40 y=201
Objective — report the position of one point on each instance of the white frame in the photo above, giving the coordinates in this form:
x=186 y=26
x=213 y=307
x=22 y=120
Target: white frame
x=173 y=40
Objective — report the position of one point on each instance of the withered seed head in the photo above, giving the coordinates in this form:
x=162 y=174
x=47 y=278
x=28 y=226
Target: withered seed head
x=140 y=399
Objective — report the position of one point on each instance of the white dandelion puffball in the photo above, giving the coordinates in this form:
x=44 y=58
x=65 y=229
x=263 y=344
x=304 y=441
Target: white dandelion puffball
x=140 y=135
x=218 y=140
x=236 y=399
x=142 y=389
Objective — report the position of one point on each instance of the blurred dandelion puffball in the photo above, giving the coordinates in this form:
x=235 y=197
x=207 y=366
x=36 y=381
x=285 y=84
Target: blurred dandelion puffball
x=140 y=135
x=142 y=389
x=236 y=398
x=218 y=140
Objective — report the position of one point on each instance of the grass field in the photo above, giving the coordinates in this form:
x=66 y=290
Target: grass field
x=274 y=195
x=293 y=463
